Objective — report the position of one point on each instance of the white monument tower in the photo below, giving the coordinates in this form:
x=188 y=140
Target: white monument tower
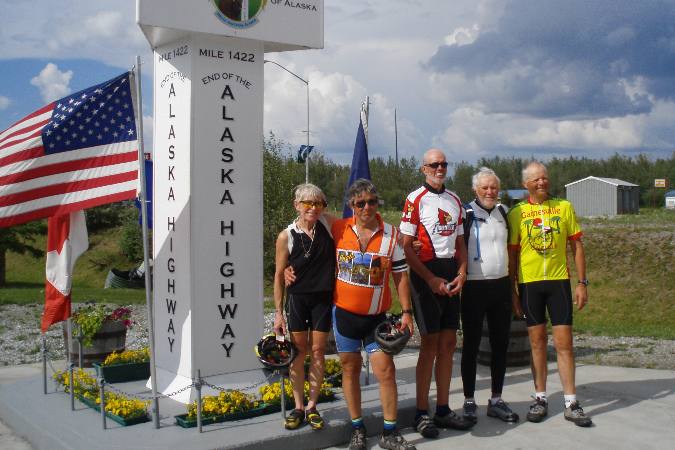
x=207 y=237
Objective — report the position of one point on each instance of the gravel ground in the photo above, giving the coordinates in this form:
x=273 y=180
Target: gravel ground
x=20 y=342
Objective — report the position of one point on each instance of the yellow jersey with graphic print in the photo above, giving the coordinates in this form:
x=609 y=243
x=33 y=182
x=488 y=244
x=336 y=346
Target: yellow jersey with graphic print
x=541 y=232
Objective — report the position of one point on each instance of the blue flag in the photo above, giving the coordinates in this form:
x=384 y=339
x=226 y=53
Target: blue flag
x=360 y=167
x=304 y=152
x=148 y=194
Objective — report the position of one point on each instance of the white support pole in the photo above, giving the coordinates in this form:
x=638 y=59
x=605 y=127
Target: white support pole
x=148 y=272
x=307 y=159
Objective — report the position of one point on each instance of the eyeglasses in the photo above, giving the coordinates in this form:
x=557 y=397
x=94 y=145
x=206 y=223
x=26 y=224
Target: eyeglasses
x=308 y=204
x=362 y=203
x=436 y=165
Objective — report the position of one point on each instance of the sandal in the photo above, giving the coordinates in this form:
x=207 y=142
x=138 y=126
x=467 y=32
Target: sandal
x=314 y=419
x=294 y=419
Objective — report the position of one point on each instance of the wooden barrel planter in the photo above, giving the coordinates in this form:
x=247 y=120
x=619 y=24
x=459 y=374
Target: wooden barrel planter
x=110 y=338
x=518 y=351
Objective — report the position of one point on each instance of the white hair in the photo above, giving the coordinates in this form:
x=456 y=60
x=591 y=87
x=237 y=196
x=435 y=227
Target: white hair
x=484 y=172
x=309 y=191
x=528 y=168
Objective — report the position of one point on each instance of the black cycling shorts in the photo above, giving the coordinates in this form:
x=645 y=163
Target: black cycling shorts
x=554 y=296
x=309 y=311
x=434 y=313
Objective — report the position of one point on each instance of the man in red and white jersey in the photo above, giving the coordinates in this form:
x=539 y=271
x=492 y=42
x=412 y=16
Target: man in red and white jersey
x=433 y=215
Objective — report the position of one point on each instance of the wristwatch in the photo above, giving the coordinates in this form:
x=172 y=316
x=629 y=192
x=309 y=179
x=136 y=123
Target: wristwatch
x=584 y=282
x=406 y=311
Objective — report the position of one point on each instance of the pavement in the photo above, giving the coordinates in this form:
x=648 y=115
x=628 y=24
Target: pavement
x=630 y=407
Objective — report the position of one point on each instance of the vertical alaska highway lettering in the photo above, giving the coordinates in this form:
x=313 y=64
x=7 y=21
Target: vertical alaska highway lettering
x=171 y=225
x=227 y=305
x=228 y=309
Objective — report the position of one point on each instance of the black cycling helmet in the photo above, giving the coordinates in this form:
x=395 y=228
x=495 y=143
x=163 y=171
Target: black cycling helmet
x=390 y=337
x=275 y=354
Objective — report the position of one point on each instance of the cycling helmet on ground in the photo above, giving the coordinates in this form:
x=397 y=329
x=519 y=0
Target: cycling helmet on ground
x=390 y=337
x=275 y=353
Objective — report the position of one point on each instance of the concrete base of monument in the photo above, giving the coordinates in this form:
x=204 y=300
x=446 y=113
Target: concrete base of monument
x=182 y=389
x=630 y=407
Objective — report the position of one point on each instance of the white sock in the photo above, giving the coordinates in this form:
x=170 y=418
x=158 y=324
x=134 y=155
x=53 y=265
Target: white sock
x=541 y=395
x=494 y=400
x=569 y=399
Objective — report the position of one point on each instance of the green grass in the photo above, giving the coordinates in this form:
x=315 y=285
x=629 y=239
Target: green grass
x=629 y=260
x=25 y=295
x=630 y=265
x=26 y=275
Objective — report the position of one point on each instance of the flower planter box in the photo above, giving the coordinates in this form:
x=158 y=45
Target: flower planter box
x=111 y=338
x=121 y=373
x=184 y=422
x=121 y=420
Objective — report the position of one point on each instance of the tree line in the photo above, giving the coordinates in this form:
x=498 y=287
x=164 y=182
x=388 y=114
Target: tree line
x=282 y=172
x=394 y=181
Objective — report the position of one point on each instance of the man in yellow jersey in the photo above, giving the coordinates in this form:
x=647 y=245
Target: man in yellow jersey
x=540 y=228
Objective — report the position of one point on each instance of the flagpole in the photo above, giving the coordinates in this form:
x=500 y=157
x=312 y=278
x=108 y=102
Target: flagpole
x=307 y=85
x=307 y=159
x=146 y=259
x=396 y=137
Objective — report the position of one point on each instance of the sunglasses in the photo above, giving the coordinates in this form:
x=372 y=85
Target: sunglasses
x=362 y=203
x=436 y=165
x=312 y=204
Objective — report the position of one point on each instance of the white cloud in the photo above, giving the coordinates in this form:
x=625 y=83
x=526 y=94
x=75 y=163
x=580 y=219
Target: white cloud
x=330 y=93
x=462 y=36
x=104 y=30
x=4 y=102
x=335 y=102
x=52 y=83
x=511 y=80
x=472 y=133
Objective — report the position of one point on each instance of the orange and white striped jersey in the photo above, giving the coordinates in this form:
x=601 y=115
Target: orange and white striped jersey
x=362 y=285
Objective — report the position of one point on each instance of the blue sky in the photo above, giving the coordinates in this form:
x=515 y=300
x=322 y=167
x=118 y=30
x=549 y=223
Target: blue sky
x=472 y=77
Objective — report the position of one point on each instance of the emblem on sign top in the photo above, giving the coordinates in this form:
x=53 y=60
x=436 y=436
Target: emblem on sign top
x=239 y=13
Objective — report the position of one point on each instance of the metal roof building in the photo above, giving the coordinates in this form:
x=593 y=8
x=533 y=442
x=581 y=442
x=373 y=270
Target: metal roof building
x=597 y=196
x=670 y=199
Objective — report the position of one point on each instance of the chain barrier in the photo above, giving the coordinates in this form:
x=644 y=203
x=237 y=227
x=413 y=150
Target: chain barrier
x=245 y=388
x=198 y=383
x=268 y=379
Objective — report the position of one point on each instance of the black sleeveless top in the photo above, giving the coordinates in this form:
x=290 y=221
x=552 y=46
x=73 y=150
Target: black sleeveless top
x=313 y=262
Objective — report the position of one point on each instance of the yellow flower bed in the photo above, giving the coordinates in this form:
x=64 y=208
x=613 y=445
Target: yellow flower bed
x=86 y=386
x=271 y=393
x=224 y=403
x=83 y=382
x=332 y=367
x=127 y=408
x=237 y=402
x=127 y=356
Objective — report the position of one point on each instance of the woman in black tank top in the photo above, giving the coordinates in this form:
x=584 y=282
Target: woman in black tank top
x=307 y=246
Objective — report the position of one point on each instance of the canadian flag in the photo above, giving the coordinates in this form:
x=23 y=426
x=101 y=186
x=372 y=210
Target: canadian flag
x=66 y=240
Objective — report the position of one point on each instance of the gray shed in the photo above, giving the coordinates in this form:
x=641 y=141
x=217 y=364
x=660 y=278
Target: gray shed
x=670 y=199
x=597 y=196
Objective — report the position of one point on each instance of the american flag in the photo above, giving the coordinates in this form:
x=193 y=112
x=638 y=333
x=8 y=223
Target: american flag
x=78 y=152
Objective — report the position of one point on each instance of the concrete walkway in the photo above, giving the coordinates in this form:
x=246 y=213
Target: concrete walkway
x=630 y=408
